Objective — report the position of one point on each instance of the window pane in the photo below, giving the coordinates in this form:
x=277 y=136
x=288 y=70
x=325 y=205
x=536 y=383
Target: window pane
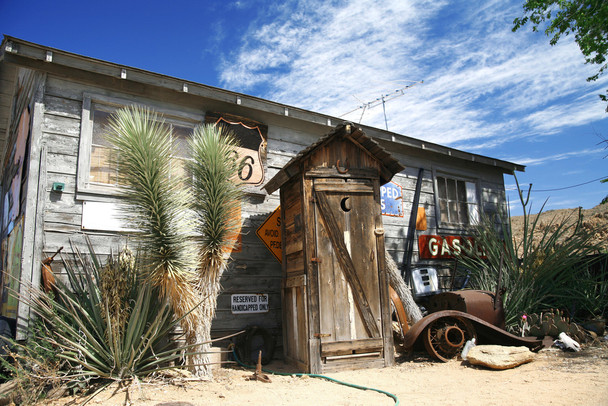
x=443 y=194
x=451 y=189
x=463 y=215
x=101 y=171
x=180 y=141
x=473 y=214
x=461 y=191
x=443 y=210
x=471 y=192
x=178 y=168
x=453 y=212
x=100 y=122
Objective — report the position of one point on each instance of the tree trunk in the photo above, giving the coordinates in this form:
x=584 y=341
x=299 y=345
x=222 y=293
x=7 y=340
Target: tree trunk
x=412 y=311
x=209 y=289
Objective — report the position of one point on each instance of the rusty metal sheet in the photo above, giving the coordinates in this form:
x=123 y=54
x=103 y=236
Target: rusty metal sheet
x=400 y=310
x=486 y=333
x=479 y=303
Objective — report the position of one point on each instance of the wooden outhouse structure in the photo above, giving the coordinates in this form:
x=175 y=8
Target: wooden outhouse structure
x=336 y=311
x=57 y=183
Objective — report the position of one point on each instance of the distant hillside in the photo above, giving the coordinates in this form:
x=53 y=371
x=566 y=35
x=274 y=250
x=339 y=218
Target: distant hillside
x=592 y=218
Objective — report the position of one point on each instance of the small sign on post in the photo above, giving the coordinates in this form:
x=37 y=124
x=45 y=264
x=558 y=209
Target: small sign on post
x=270 y=233
x=249 y=303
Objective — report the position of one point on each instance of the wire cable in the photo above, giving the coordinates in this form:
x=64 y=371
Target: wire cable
x=352 y=385
x=566 y=187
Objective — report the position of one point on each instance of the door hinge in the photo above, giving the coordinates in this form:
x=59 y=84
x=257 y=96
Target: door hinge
x=316 y=260
x=319 y=335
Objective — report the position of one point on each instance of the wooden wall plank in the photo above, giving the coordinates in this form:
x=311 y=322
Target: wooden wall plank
x=62 y=106
x=62 y=163
x=254 y=268
x=30 y=254
x=58 y=124
x=61 y=144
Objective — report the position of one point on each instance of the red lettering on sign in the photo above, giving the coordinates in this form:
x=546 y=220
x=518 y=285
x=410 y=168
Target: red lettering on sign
x=447 y=246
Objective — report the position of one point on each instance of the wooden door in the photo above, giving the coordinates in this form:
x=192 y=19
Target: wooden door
x=347 y=263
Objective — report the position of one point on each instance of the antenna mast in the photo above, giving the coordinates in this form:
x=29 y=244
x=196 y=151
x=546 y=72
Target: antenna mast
x=382 y=100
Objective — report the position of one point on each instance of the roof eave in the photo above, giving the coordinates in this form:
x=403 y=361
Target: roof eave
x=45 y=56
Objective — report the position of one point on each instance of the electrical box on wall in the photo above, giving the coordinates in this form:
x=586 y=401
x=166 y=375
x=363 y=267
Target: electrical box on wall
x=58 y=187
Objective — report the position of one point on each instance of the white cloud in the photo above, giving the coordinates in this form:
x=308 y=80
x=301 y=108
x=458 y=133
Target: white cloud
x=554 y=118
x=483 y=84
x=317 y=56
x=556 y=157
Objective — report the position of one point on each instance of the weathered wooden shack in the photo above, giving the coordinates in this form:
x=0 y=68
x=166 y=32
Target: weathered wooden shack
x=336 y=311
x=57 y=181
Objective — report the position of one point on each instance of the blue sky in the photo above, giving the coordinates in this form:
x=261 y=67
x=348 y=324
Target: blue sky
x=486 y=89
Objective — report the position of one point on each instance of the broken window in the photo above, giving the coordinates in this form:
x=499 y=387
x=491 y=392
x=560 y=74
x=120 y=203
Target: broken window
x=103 y=168
x=458 y=202
x=97 y=168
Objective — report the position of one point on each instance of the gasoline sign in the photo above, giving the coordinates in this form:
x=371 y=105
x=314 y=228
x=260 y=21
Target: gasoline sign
x=391 y=199
x=447 y=246
x=270 y=233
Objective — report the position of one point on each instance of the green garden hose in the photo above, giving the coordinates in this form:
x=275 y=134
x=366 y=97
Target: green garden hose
x=352 y=385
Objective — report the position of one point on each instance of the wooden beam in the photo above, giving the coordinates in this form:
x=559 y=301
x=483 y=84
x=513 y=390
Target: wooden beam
x=351 y=347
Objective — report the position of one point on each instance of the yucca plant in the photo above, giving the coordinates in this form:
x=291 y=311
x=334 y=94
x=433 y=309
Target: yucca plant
x=159 y=204
x=217 y=207
x=540 y=271
x=156 y=204
x=100 y=336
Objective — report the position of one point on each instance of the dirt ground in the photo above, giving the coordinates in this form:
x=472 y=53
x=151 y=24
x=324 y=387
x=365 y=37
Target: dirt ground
x=553 y=378
x=595 y=219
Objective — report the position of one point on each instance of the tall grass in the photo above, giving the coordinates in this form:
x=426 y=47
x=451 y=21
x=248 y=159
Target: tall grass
x=542 y=269
x=103 y=324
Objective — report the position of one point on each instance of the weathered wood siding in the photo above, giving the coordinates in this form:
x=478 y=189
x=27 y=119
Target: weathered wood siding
x=295 y=306
x=492 y=199
x=254 y=270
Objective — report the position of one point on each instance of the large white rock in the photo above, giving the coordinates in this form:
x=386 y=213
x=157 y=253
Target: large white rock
x=499 y=357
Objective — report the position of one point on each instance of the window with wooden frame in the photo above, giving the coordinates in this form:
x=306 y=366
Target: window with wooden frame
x=457 y=199
x=97 y=172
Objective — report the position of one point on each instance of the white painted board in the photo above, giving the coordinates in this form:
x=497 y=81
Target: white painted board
x=103 y=216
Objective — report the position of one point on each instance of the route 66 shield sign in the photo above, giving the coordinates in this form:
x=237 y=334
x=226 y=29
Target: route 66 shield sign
x=252 y=144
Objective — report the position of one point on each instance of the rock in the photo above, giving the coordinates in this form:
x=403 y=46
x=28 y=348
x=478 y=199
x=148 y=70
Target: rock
x=8 y=392
x=56 y=393
x=499 y=357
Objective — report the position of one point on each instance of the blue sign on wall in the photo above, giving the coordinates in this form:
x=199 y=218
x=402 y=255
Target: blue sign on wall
x=391 y=198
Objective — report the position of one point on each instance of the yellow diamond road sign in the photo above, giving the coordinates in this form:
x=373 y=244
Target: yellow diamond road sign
x=270 y=233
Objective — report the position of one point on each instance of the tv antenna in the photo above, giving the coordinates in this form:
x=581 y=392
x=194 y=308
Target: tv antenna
x=382 y=100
